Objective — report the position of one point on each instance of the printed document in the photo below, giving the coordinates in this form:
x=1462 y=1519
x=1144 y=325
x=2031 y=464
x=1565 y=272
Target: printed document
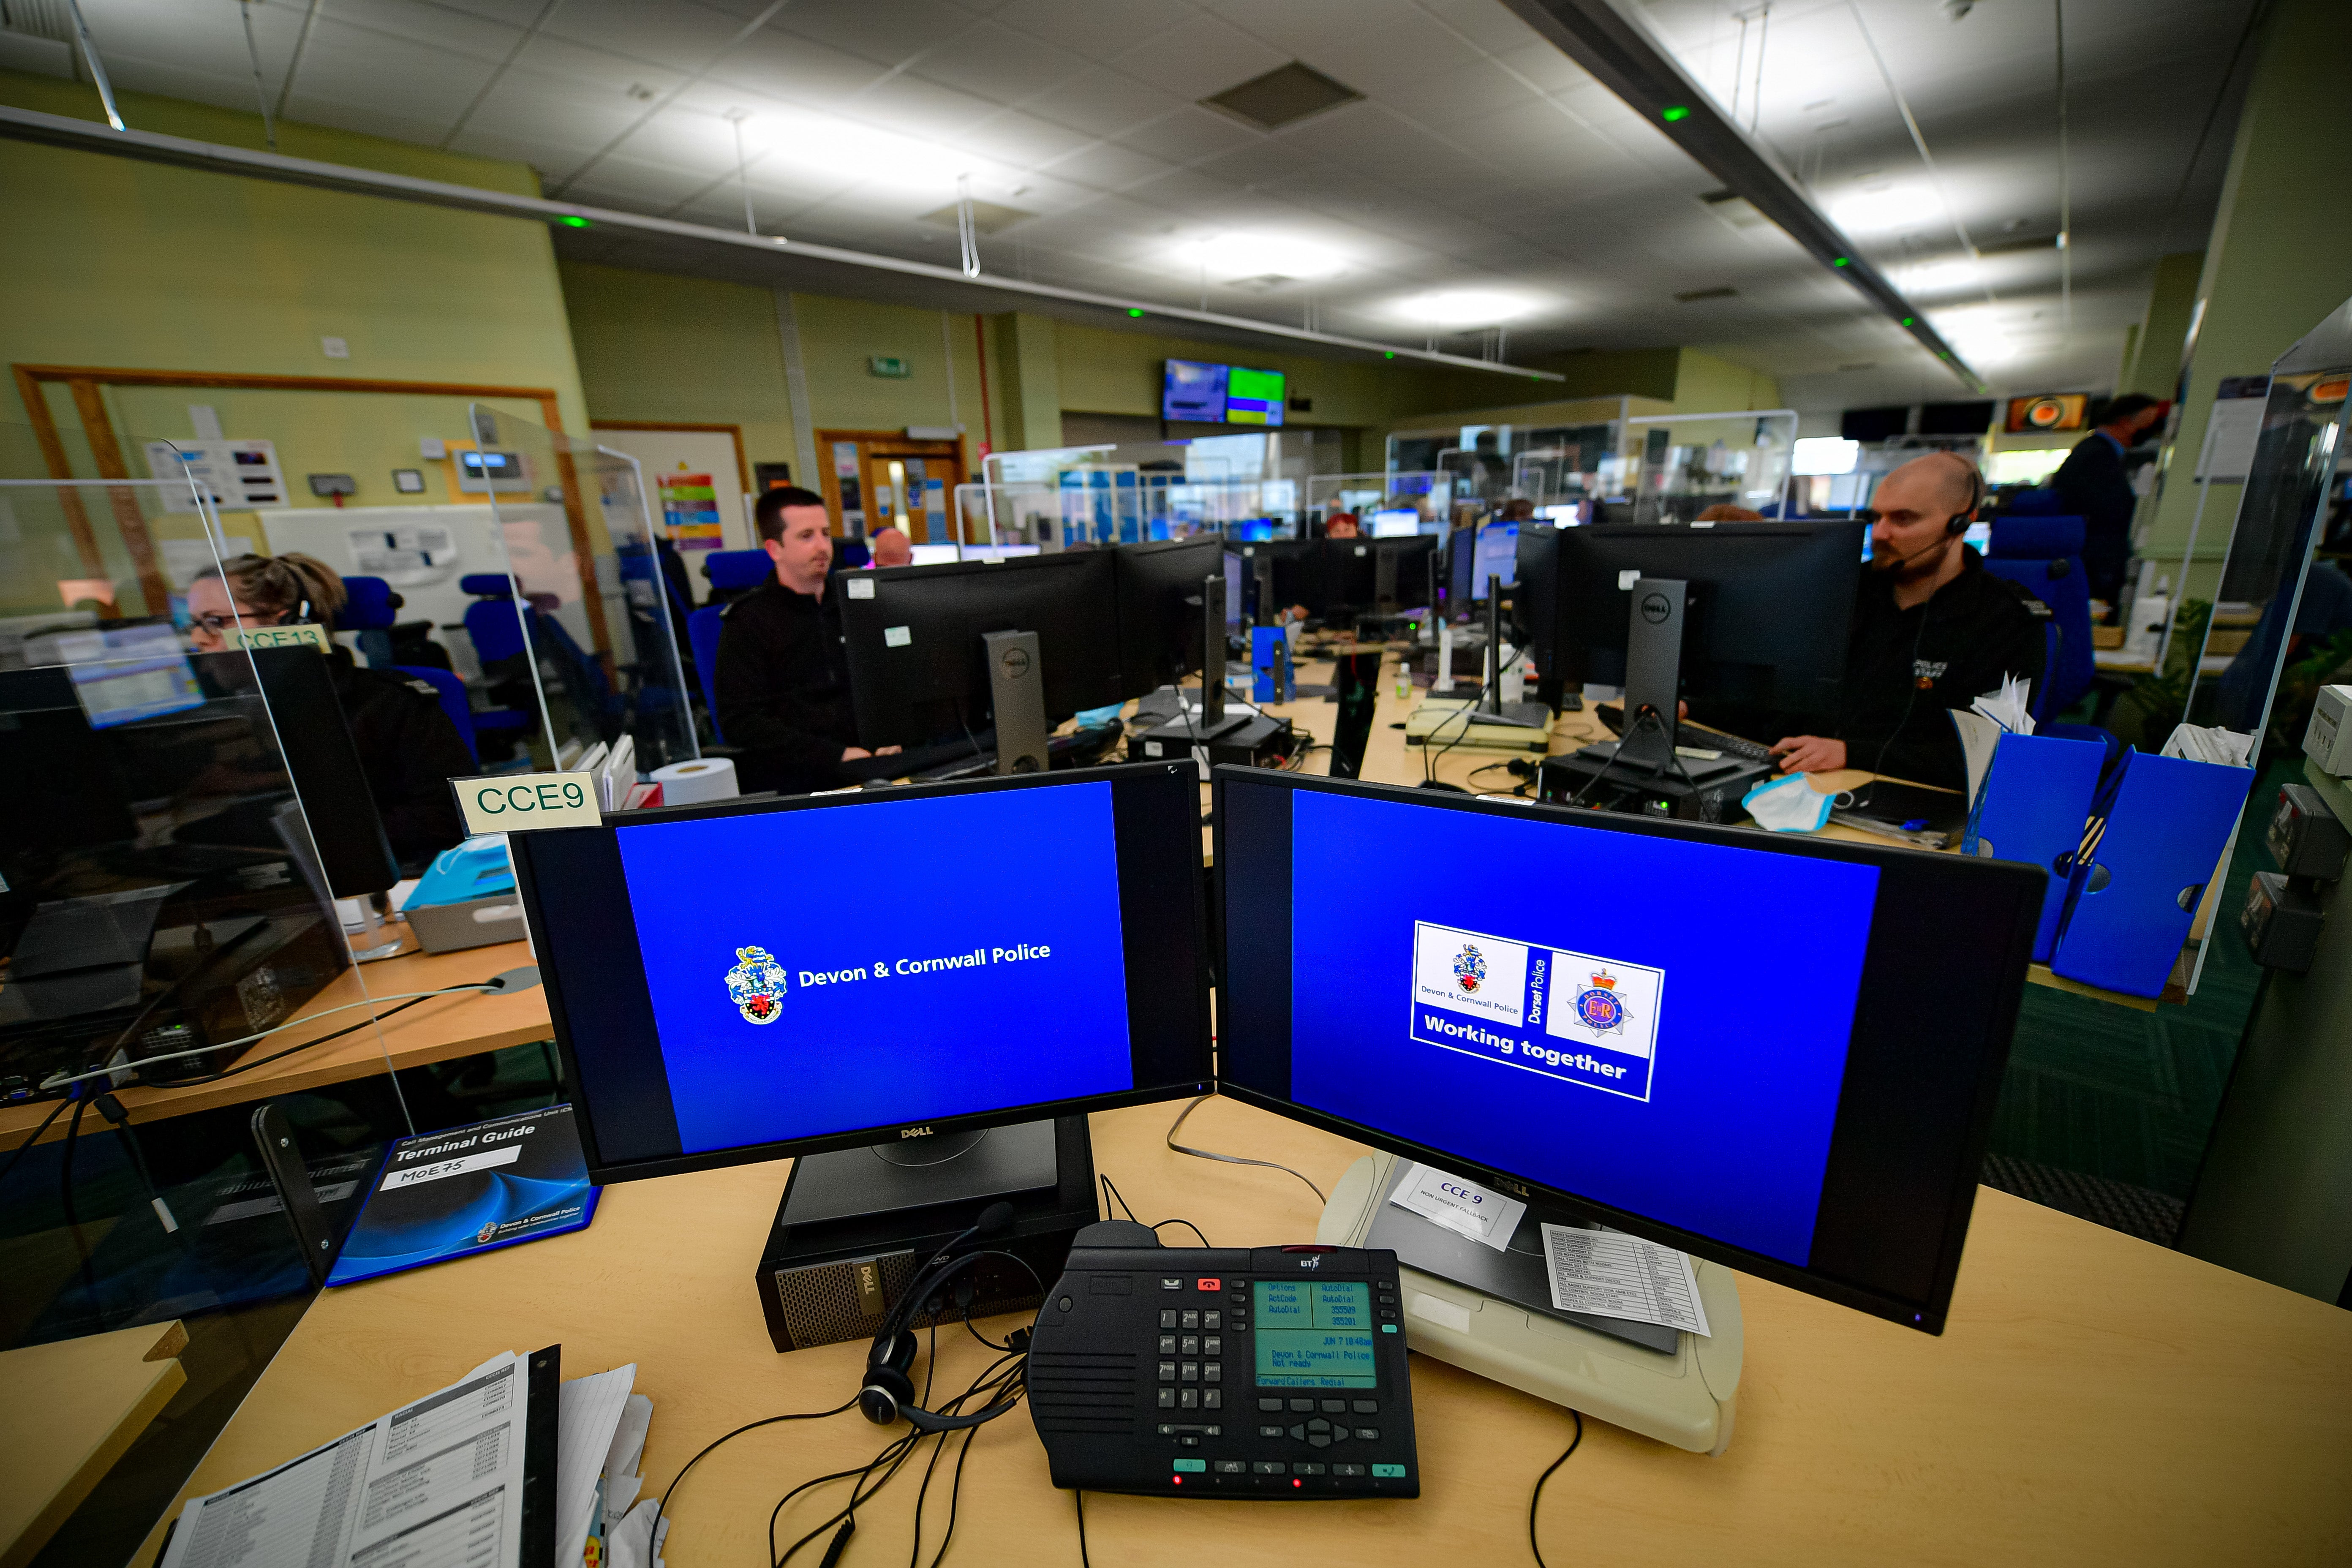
x=1478 y=1212
x=437 y=1482
x=1612 y=1274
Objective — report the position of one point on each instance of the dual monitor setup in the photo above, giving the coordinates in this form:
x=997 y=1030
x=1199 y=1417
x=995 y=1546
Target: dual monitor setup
x=1579 y=1031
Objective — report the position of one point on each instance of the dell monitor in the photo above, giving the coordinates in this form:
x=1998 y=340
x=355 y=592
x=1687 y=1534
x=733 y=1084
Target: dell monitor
x=1767 y=610
x=1160 y=607
x=1613 y=1033
x=919 y=993
x=1232 y=565
x=1299 y=578
x=913 y=637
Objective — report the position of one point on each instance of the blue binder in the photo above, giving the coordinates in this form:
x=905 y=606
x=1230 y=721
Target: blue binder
x=2034 y=805
x=2158 y=830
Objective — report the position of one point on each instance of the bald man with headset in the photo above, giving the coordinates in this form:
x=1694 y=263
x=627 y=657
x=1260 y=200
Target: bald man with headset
x=1932 y=630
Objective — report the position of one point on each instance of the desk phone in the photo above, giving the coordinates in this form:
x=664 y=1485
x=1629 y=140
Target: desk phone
x=1270 y=1372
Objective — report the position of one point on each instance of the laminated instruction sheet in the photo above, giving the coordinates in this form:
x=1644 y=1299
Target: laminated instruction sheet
x=1612 y=1274
x=439 y=1481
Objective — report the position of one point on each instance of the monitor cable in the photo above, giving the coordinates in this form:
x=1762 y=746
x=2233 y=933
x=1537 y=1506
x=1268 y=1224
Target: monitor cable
x=1229 y=1159
x=1533 y=1544
x=1078 y=1496
x=1156 y=1226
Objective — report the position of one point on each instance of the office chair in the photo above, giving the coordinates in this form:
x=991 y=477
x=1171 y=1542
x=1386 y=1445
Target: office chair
x=497 y=638
x=2043 y=555
x=733 y=574
x=702 y=629
x=371 y=609
x=453 y=700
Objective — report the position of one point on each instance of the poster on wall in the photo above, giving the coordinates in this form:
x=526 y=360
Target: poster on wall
x=690 y=511
x=2236 y=427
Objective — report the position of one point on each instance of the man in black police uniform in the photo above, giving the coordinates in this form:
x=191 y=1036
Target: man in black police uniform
x=2094 y=486
x=1932 y=630
x=783 y=683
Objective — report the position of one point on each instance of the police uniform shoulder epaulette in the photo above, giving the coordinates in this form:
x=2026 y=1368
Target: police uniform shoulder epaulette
x=424 y=689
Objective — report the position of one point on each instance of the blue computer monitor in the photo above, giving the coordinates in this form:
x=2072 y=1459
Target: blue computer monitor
x=1193 y=391
x=1395 y=522
x=1498 y=556
x=762 y=978
x=1601 y=1018
x=122 y=674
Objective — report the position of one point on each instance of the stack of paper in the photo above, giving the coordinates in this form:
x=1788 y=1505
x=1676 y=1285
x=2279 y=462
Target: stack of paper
x=600 y=1523
x=2200 y=743
x=2007 y=711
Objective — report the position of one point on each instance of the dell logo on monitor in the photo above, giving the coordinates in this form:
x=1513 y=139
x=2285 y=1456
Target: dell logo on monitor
x=1655 y=609
x=914 y=1132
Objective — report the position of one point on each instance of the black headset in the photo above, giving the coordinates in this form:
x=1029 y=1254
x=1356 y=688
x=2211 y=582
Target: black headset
x=888 y=1394
x=1958 y=524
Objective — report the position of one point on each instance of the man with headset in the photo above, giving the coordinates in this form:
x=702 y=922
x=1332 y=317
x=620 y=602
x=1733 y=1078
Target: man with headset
x=1932 y=630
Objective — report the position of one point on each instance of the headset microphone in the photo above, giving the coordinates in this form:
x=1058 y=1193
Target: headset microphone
x=888 y=1394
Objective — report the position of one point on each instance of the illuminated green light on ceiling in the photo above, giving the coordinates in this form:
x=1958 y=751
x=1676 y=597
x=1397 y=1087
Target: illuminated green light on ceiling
x=1907 y=320
x=577 y=223
x=1837 y=261
x=1676 y=112
x=1392 y=354
x=1135 y=312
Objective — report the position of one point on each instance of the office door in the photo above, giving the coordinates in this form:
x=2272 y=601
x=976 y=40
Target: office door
x=878 y=477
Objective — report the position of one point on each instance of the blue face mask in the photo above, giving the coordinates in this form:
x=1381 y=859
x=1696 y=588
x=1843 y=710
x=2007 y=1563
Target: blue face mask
x=1788 y=806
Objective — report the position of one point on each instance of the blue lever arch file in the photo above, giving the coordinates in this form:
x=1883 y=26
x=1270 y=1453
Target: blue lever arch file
x=2160 y=828
x=2034 y=805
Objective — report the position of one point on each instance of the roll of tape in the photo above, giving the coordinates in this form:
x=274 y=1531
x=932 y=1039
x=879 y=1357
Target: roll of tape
x=690 y=784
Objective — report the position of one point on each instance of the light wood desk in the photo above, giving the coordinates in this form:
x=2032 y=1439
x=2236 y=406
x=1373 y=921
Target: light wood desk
x=2095 y=1400
x=439 y=1029
x=74 y=1407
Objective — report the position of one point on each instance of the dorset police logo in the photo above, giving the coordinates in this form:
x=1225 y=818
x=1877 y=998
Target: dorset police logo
x=486 y=1232
x=1600 y=1009
x=756 y=985
x=1469 y=968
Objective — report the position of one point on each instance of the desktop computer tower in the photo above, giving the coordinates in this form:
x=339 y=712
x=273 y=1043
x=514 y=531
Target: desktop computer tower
x=854 y=1225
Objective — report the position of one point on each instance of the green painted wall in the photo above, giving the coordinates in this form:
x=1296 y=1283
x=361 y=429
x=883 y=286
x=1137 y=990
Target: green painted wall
x=111 y=262
x=2152 y=360
x=2280 y=257
x=680 y=350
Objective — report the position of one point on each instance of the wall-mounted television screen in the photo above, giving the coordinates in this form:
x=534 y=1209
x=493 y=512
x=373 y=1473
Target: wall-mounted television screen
x=1221 y=394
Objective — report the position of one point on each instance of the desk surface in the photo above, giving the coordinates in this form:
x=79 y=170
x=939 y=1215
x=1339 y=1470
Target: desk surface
x=439 y=1029
x=74 y=1406
x=2094 y=1400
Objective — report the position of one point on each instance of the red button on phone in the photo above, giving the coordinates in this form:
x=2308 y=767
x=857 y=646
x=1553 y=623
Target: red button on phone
x=1209 y=1285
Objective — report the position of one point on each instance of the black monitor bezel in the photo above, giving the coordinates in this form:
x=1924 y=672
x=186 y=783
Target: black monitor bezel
x=1927 y=1316
x=602 y=1171
x=1138 y=580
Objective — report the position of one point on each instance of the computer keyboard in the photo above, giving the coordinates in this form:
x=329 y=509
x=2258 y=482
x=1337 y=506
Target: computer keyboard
x=1697 y=737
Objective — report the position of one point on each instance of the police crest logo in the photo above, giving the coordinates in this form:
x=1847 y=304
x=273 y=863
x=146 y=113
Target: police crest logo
x=486 y=1232
x=756 y=985
x=1600 y=1008
x=1470 y=968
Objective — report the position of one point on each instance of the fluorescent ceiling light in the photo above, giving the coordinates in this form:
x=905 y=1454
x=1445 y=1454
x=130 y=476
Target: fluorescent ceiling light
x=1464 y=308
x=1885 y=212
x=1825 y=455
x=827 y=148
x=1938 y=275
x=1261 y=255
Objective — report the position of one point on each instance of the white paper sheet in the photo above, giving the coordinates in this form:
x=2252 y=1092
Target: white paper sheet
x=622 y=1482
x=590 y=1414
x=1459 y=1205
x=437 y=1481
x=1612 y=1274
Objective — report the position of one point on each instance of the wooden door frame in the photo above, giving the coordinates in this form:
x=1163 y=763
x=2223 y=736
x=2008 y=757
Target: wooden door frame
x=734 y=432
x=105 y=450
x=831 y=482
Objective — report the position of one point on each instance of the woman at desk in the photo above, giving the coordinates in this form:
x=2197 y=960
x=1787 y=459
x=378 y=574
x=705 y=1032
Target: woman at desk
x=1932 y=630
x=406 y=744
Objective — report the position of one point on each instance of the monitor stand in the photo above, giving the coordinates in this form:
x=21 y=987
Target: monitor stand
x=1490 y=1312
x=856 y=1225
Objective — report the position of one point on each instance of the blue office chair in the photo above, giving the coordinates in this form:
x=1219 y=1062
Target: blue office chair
x=453 y=700
x=2043 y=555
x=733 y=574
x=702 y=630
x=369 y=608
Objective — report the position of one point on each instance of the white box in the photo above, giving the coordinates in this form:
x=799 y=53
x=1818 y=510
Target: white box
x=2327 y=741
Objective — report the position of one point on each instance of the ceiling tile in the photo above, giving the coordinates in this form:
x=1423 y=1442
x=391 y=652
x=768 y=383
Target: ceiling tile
x=1301 y=27
x=1096 y=28
x=1107 y=166
x=1023 y=140
x=1103 y=101
x=915 y=107
x=1199 y=55
x=1393 y=58
x=893 y=32
x=524 y=103
x=787 y=66
x=1474 y=90
x=514 y=12
x=997 y=63
x=1186 y=134
x=1488 y=26
x=674 y=33
x=597 y=70
x=434 y=26
x=389 y=78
